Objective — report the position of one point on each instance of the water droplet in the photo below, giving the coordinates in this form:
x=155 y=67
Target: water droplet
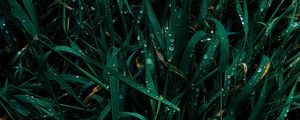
x=259 y=70
x=81 y=8
x=138 y=38
x=121 y=97
x=114 y=65
x=77 y=76
x=93 y=8
x=148 y=91
x=145 y=45
x=141 y=11
x=197 y=89
x=170 y=5
x=149 y=61
x=3 y=24
x=211 y=31
x=208 y=39
x=108 y=73
x=23 y=20
x=205 y=56
x=250 y=84
x=171 y=48
x=167 y=109
x=222 y=89
x=169 y=34
x=291 y=65
x=171 y=40
x=19 y=53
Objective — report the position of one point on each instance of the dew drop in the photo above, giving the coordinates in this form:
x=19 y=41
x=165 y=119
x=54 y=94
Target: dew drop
x=291 y=65
x=141 y=11
x=259 y=70
x=197 y=89
x=138 y=38
x=171 y=48
x=3 y=24
x=149 y=61
x=170 y=35
x=23 y=20
x=121 y=97
x=205 y=57
x=81 y=8
x=208 y=39
x=93 y=8
x=77 y=76
x=172 y=40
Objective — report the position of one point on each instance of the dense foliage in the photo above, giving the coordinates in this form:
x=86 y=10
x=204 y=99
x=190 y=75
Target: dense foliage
x=149 y=59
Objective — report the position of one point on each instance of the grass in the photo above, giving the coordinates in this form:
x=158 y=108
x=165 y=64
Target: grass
x=149 y=59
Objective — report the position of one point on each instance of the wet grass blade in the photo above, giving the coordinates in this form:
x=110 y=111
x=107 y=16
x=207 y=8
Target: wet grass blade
x=23 y=18
x=224 y=44
x=132 y=114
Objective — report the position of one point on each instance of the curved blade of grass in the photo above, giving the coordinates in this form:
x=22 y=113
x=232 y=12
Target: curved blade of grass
x=289 y=100
x=32 y=12
x=244 y=19
x=21 y=15
x=149 y=72
x=224 y=44
x=185 y=60
x=64 y=85
x=132 y=114
x=105 y=111
x=114 y=83
x=74 y=52
x=148 y=92
x=155 y=25
x=248 y=89
x=260 y=101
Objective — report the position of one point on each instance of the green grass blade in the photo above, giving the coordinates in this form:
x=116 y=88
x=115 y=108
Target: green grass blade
x=105 y=111
x=32 y=12
x=132 y=114
x=155 y=25
x=224 y=44
x=21 y=15
x=289 y=100
x=188 y=52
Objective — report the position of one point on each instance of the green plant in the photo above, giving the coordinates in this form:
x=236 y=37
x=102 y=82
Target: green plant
x=143 y=59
